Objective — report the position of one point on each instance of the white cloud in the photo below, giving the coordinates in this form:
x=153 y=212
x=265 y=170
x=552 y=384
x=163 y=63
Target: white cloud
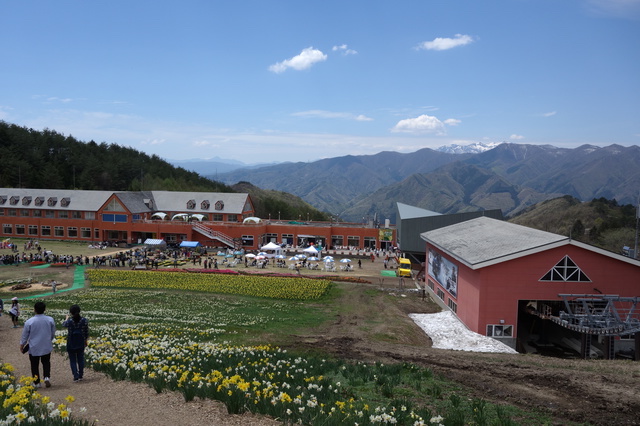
x=422 y=124
x=515 y=137
x=549 y=114
x=442 y=43
x=331 y=114
x=452 y=122
x=344 y=49
x=303 y=61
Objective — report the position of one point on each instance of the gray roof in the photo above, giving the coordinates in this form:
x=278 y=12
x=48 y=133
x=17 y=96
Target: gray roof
x=78 y=200
x=406 y=211
x=484 y=241
x=135 y=201
x=177 y=201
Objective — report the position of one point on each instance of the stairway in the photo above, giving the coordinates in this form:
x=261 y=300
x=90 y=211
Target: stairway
x=214 y=235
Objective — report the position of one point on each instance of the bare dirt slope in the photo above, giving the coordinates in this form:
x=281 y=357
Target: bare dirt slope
x=378 y=329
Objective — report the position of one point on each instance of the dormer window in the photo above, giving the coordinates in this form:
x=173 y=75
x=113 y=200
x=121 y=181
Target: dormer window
x=219 y=205
x=39 y=201
x=52 y=201
x=191 y=204
x=3 y=199
x=65 y=202
x=205 y=205
x=14 y=200
x=26 y=201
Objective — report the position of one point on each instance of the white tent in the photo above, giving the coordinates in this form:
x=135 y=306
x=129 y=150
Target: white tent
x=271 y=249
x=252 y=220
x=155 y=242
x=311 y=250
x=159 y=215
x=180 y=216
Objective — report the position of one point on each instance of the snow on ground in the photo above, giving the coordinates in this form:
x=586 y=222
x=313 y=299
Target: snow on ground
x=447 y=332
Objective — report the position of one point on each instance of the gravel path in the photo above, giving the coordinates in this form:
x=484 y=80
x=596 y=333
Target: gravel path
x=111 y=402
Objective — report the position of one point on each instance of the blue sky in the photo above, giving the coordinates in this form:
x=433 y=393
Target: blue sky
x=264 y=81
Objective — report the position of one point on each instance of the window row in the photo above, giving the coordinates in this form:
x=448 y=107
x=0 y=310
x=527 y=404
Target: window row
x=46 y=231
x=49 y=214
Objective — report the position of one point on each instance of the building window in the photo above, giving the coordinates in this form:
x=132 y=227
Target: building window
x=24 y=213
x=232 y=217
x=247 y=240
x=431 y=285
x=20 y=230
x=440 y=293
x=36 y=213
x=58 y=231
x=72 y=232
x=1 y=212
x=114 y=218
x=85 y=232
x=270 y=238
x=494 y=330
x=26 y=201
x=337 y=241
x=191 y=204
x=96 y=234
x=452 y=305
x=567 y=271
x=45 y=231
x=216 y=217
x=65 y=202
x=7 y=228
x=52 y=201
x=353 y=241
x=49 y=213
x=33 y=229
x=90 y=215
x=76 y=214
x=287 y=239
x=205 y=205
x=63 y=215
x=370 y=242
x=114 y=206
x=12 y=212
x=219 y=205
x=14 y=200
x=39 y=201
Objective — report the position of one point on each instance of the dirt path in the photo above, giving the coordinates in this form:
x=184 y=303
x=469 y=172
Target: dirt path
x=117 y=403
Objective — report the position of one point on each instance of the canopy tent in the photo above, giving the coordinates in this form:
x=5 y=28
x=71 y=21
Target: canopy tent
x=159 y=215
x=180 y=216
x=198 y=216
x=252 y=220
x=312 y=250
x=190 y=244
x=154 y=242
x=271 y=250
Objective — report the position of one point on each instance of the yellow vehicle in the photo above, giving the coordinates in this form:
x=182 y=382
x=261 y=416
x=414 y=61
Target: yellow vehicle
x=404 y=268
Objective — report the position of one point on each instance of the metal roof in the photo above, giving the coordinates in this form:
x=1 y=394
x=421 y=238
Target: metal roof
x=406 y=211
x=177 y=201
x=484 y=241
x=78 y=199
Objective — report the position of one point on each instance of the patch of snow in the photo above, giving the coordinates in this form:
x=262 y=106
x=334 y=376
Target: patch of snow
x=473 y=148
x=447 y=332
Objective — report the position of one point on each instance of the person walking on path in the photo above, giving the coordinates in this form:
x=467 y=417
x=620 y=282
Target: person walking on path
x=77 y=340
x=38 y=334
x=14 y=311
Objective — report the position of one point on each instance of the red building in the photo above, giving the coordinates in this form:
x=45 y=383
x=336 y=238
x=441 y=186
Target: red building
x=534 y=290
x=131 y=217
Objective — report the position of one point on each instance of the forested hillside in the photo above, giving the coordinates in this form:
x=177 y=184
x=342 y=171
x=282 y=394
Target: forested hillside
x=47 y=159
x=600 y=222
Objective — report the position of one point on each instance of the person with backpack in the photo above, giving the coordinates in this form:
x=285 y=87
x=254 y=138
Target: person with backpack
x=77 y=340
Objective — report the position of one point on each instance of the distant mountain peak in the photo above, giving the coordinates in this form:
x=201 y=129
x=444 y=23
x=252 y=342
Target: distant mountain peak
x=472 y=148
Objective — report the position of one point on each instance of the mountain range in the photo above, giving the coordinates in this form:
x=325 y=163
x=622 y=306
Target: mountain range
x=509 y=176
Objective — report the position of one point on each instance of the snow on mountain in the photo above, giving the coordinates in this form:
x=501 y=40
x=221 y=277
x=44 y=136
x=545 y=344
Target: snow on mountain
x=473 y=148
